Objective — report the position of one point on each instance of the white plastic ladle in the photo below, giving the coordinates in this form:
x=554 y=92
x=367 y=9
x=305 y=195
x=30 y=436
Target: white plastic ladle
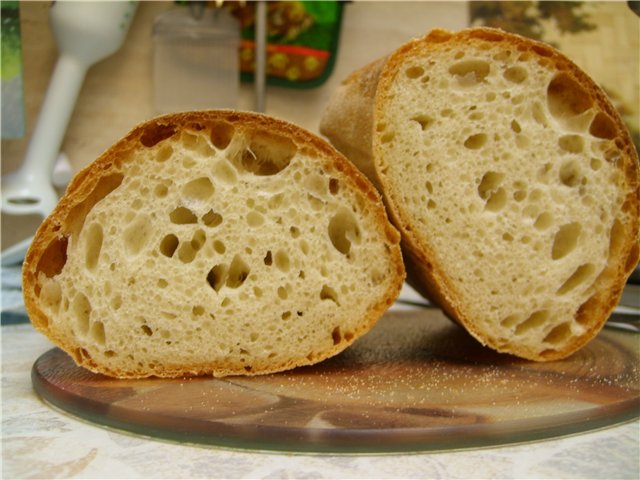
x=85 y=32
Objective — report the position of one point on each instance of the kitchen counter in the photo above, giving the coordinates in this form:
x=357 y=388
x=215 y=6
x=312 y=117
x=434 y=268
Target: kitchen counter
x=39 y=441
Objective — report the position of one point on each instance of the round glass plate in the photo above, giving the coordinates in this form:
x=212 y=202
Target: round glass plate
x=416 y=382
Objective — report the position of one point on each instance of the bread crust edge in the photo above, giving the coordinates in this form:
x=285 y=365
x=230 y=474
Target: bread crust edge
x=423 y=272
x=47 y=253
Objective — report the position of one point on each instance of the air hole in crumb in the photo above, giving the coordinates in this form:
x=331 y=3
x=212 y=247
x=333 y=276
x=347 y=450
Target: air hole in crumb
x=476 y=142
x=558 y=334
x=238 y=272
x=200 y=189
x=387 y=137
x=429 y=186
x=54 y=257
x=516 y=74
x=544 y=221
x=602 y=126
x=198 y=239
x=217 y=276
x=595 y=164
x=51 y=296
x=255 y=219
x=571 y=143
x=281 y=260
x=188 y=140
x=616 y=238
x=164 y=153
x=116 y=302
x=336 y=336
x=304 y=247
x=535 y=320
x=182 y=216
x=566 y=97
x=161 y=190
x=168 y=245
x=497 y=200
x=569 y=173
x=470 y=72
x=224 y=171
x=502 y=56
x=414 y=72
x=221 y=134
x=257 y=292
x=97 y=333
x=519 y=195
x=334 y=186
x=219 y=246
x=93 y=242
x=328 y=293
x=283 y=294
x=81 y=308
x=425 y=121
x=267 y=154
x=343 y=230
x=581 y=275
x=212 y=219
x=154 y=133
x=489 y=190
x=565 y=240
x=509 y=321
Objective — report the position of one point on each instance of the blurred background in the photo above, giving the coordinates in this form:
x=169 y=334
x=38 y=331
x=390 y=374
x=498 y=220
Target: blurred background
x=310 y=48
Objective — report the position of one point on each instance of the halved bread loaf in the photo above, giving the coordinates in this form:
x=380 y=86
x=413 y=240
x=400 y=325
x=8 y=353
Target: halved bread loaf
x=212 y=242
x=511 y=177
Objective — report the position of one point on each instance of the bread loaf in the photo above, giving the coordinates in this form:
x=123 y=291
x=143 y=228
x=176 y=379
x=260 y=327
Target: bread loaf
x=212 y=242
x=511 y=177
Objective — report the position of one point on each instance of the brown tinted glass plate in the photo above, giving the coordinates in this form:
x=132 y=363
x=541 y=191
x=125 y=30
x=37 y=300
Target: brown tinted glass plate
x=416 y=382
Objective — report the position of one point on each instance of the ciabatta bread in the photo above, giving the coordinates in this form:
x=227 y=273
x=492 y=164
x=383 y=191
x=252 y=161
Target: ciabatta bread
x=511 y=177
x=212 y=242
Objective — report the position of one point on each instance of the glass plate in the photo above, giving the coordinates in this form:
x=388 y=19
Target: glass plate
x=416 y=382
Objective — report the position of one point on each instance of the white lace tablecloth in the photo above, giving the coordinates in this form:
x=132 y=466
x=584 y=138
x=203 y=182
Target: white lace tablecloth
x=40 y=442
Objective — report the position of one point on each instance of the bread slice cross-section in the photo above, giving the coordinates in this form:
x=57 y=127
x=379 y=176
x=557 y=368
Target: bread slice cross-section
x=511 y=177
x=213 y=242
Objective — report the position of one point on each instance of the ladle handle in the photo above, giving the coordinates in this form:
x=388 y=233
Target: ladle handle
x=54 y=117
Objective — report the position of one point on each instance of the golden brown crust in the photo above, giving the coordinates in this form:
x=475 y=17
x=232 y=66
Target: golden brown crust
x=348 y=118
x=430 y=280
x=424 y=272
x=47 y=255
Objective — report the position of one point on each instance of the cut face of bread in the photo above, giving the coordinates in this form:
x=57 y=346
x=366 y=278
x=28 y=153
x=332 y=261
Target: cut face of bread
x=212 y=243
x=513 y=181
